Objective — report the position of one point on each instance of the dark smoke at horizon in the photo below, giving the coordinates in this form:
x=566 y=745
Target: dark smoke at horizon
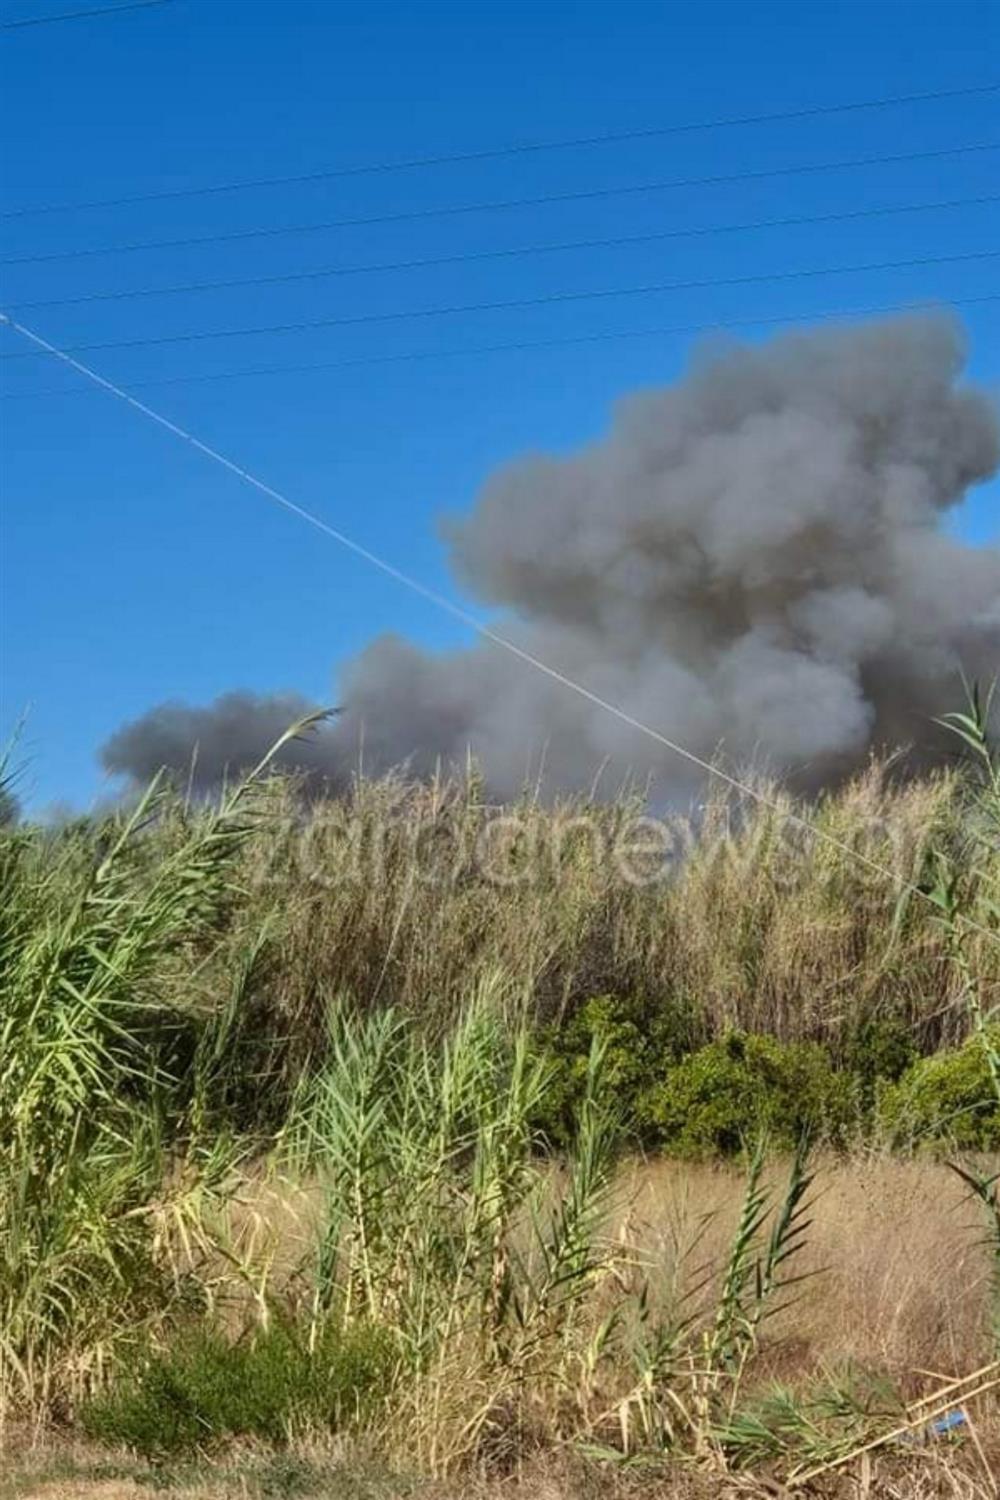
x=750 y=559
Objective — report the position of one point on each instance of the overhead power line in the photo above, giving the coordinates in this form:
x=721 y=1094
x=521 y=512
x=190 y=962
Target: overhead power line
x=80 y=15
x=471 y=621
x=509 y=252
x=500 y=204
x=475 y=351
x=517 y=148
x=517 y=303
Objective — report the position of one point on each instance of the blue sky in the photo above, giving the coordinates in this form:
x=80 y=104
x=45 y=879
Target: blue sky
x=135 y=572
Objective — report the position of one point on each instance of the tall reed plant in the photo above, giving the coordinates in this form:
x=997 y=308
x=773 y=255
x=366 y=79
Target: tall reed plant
x=98 y=919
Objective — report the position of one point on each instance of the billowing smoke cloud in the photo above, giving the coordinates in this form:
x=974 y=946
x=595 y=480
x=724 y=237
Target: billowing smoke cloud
x=206 y=745
x=751 y=559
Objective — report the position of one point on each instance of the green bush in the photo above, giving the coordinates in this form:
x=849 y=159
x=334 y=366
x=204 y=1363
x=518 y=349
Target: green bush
x=711 y=1102
x=877 y=1051
x=946 y=1098
x=205 y=1388
x=642 y=1039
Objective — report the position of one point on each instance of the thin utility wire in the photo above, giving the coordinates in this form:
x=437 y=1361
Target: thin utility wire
x=518 y=148
x=80 y=15
x=441 y=601
x=474 y=351
x=510 y=252
x=498 y=205
x=514 y=304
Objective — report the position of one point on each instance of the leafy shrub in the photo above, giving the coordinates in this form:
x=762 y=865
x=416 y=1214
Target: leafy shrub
x=205 y=1388
x=712 y=1101
x=641 y=1038
x=948 y=1098
x=708 y=1101
x=879 y=1050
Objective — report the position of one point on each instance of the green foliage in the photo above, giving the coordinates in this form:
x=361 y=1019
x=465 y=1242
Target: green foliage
x=758 y=1265
x=102 y=1170
x=439 y=1216
x=715 y=1100
x=710 y=1101
x=639 y=1039
x=947 y=1099
x=879 y=1049
x=815 y=1425
x=205 y=1388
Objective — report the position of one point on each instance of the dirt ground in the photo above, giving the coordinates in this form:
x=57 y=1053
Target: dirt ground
x=52 y=1469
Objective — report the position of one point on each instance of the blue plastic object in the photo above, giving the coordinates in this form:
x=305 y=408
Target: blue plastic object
x=946 y=1423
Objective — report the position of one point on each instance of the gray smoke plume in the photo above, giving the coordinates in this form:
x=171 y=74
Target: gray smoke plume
x=751 y=559
x=207 y=745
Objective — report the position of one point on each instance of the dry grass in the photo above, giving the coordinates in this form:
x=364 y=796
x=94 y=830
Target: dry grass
x=898 y=1290
x=900 y=1279
x=57 y=1471
x=898 y=1274
x=411 y=894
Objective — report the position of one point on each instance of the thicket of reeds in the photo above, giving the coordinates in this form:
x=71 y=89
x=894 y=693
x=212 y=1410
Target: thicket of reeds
x=214 y=1016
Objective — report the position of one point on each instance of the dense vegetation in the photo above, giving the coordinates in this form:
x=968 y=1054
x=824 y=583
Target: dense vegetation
x=437 y=1026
